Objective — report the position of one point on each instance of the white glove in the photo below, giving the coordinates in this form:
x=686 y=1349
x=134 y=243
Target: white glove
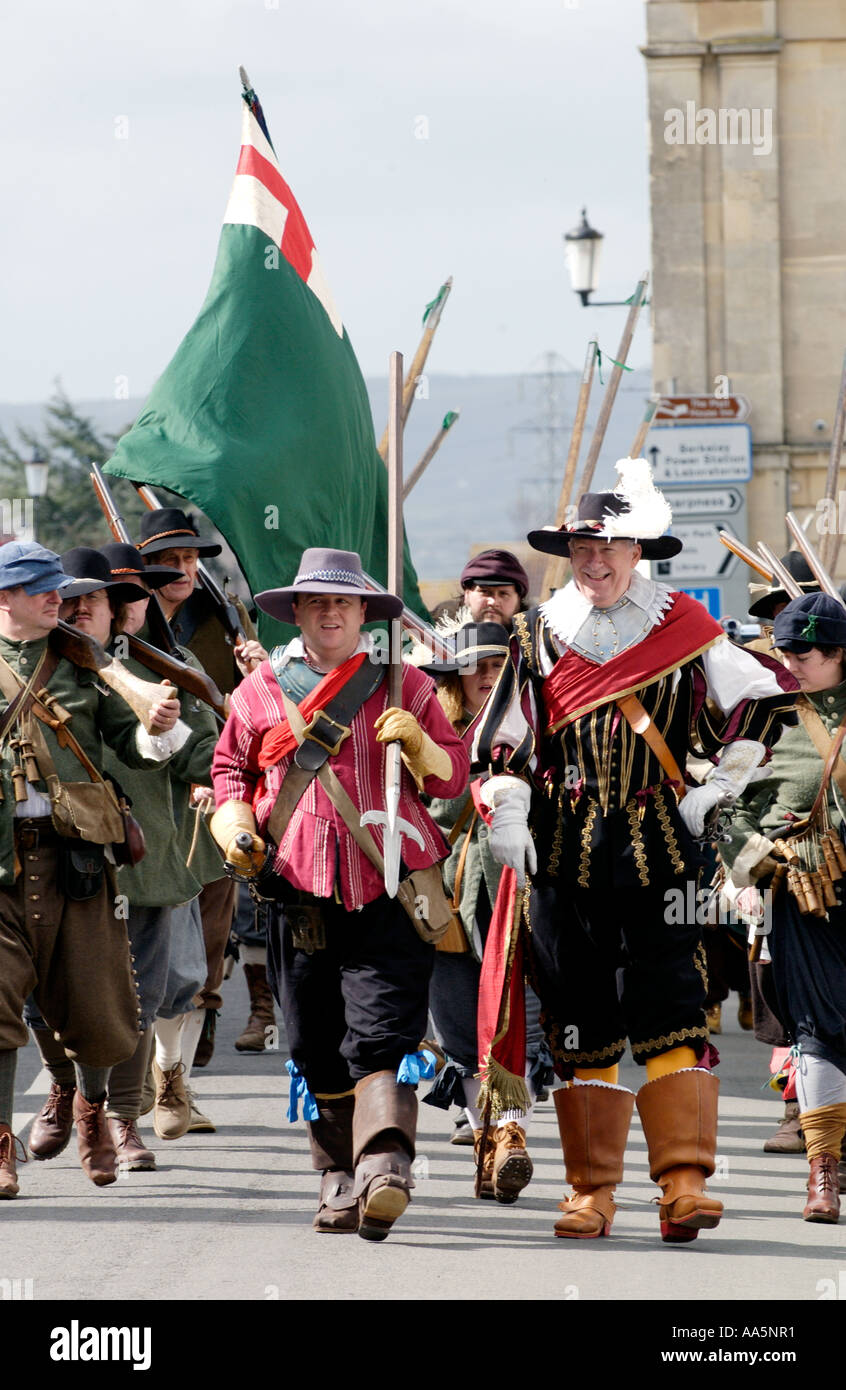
x=735 y=769
x=510 y=841
x=694 y=807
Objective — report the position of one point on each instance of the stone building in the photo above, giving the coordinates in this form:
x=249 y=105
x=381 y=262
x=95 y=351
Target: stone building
x=747 y=115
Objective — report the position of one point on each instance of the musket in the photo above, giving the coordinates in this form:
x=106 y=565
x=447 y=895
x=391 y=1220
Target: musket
x=158 y=624
x=85 y=651
x=784 y=577
x=423 y=632
x=162 y=657
x=394 y=826
x=226 y=610
x=815 y=564
x=747 y=556
x=178 y=673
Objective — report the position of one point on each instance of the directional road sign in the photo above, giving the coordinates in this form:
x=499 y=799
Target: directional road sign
x=718 y=408
x=703 y=556
x=691 y=454
x=710 y=501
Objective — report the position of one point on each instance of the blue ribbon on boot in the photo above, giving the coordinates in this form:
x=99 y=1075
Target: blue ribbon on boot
x=300 y=1091
x=416 y=1066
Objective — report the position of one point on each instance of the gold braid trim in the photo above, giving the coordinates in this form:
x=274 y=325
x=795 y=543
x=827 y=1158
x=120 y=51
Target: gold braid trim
x=669 y=1040
x=701 y=963
x=523 y=634
x=555 y=852
x=584 y=856
x=637 y=842
x=585 y=1058
x=669 y=833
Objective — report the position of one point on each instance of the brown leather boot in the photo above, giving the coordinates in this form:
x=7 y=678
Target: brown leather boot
x=486 y=1186
x=679 y=1117
x=824 y=1129
x=131 y=1153
x=823 y=1190
x=262 y=1017
x=512 y=1167
x=593 y=1122
x=205 y=1047
x=94 y=1140
x=788 y=1138
x=172 y=1108
x=384 y=1129
x=331 y=1141
x=8 y=1165
x=53 y=1125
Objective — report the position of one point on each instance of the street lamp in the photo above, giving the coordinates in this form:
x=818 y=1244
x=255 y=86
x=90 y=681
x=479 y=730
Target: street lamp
x=583 y=246
x=36 y=483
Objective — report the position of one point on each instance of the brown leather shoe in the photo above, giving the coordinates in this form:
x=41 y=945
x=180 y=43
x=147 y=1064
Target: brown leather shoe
x=53 y=1125
x=744 y=1012
x=714 y=1018
x=172 y=1110
x=338 y=1209
x=512 y=1167
x=254 y=1037
x=94 y=1140
x=8 y=1166
x=823 y=1190
x=131 y=1153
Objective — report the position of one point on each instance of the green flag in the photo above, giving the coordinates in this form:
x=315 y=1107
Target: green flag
x=262 y=417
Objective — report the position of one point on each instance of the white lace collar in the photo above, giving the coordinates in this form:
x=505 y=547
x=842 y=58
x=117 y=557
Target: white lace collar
x=565 y=612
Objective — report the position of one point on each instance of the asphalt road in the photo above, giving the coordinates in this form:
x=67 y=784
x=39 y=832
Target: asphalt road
x=228 y=1215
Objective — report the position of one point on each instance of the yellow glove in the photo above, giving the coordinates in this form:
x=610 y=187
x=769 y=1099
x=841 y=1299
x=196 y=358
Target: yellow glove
x=421 y=755
x=230 y=820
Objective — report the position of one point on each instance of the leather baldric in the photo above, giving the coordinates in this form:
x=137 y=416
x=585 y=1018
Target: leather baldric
x=827 y=747
x=642 y=724
x=21 y=695
x=319 y=739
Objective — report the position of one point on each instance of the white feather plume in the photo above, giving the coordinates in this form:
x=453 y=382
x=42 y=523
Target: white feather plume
x=650 y=514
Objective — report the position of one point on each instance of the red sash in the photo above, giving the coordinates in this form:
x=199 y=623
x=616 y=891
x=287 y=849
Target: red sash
x=281 y=740
x=575 y=685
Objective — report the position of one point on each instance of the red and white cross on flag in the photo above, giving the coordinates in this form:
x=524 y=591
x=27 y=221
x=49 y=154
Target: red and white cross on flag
x=261 y=198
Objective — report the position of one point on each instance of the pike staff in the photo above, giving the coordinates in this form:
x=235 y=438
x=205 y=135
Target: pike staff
x=554 y=574
x=607 y=406
x=394 y=826
x=431 y=319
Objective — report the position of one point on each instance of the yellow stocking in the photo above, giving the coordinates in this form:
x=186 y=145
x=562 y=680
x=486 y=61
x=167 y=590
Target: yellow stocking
x=676 y=1060
x=599 y=1073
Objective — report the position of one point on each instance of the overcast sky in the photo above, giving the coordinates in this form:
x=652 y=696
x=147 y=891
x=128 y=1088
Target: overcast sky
x=121 y=128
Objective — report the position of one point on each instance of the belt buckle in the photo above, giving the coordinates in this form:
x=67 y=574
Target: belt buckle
x=29 y=837
x=308 y=732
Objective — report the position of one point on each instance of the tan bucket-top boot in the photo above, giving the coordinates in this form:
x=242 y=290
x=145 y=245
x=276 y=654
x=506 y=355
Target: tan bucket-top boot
x=593 y=1122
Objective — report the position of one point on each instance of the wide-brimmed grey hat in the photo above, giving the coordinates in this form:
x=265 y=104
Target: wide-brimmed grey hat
x=328 y=572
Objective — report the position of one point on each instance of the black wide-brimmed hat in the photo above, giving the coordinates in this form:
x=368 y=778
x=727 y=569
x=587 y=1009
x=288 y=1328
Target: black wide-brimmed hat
x=125 y=562
x=169 y=528
x=470 y=644
x=495 y=567
x=634 y=511
x=324 y=571
x=814 y=620
x=773 y=594
x=91 y=571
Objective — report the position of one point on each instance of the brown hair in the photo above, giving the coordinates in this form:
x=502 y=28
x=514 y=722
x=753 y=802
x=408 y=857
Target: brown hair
x=450 y=694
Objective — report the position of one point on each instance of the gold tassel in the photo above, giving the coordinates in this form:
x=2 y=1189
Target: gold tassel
x=503 y=1089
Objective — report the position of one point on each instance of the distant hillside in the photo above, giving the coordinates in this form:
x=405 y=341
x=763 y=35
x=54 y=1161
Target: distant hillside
x=498 y=473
